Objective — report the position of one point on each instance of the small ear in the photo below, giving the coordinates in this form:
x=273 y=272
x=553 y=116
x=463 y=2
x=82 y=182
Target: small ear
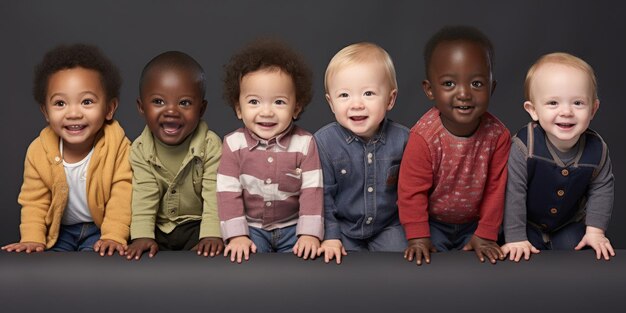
x=392 y=99
x=204 y=104
x=238 y=111
x=111 y=108
x=43 y=110
x=494 y=83
x=530 y=108
x=140 y=106
x=330 y=103
x=428 y=89
x=296 y=111
x=594 y=109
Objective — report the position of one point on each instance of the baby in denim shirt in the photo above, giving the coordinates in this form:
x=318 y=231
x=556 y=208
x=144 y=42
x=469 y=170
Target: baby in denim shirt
x=361 y=154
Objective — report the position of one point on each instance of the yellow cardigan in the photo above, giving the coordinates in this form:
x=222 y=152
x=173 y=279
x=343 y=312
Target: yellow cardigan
x=45 y=191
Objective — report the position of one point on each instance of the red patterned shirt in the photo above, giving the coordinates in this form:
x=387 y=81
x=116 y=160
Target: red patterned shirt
x=453 y=179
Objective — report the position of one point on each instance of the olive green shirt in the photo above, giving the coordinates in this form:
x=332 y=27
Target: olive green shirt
x=164 y=199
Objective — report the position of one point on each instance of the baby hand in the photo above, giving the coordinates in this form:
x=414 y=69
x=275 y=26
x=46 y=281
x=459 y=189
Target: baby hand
x=485 y=248
x=28 y=247
x=419 y=248
x=518 y=249
x=209 y=246
x=103 y=245
x=306 y=247
x=332 y=248
x=594 y=237
x=239 y=247
x=139 y=245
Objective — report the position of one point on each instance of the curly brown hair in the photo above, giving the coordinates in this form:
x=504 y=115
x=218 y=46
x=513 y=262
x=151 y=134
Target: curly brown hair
x=264 y=54
x=72 y=56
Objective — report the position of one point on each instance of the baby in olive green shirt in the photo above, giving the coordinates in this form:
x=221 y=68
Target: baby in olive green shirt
x=174 y=162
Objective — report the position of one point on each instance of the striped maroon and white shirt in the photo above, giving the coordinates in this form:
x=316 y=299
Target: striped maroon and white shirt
x=270 y=184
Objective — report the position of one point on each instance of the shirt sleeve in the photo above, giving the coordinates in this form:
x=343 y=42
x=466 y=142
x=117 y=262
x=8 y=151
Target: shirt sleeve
x=516 y=190
x=414 y=183
x=117 y=214
x=230 y=195
x=35 y=198
x=210 y=225
x=492 y=205
x=146 y=196
x=600 y=197
x=332 y=229
x=311 y=197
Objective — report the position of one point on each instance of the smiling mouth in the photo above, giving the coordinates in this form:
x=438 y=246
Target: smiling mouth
x=171 y=128
x=463 y=107
x=565 y=125
x=358 y=118
x=266 y=124
x=75 y=128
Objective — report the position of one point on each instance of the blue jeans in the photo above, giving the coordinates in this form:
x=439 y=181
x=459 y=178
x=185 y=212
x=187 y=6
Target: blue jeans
x=565 y=238
x=447 y=236
x=276 y=240
x=390 y=239
x=77 y=237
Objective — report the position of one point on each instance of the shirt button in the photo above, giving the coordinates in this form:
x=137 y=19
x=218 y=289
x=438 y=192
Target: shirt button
x=268 y=203
x=370 y=189
x=270 y=159
x=172 y=210
x=173 y=191
x=564 y=172
x=369 y=220
x=560 y=192
x=369 y=158
x=57 y=159
x=343 y=172
x=268 y=181
x=553 y=210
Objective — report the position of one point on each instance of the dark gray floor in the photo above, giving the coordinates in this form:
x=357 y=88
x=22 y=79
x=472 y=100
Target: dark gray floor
x=365 y=282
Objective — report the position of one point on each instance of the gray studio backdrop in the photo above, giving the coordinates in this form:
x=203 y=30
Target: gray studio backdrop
x=132 y=32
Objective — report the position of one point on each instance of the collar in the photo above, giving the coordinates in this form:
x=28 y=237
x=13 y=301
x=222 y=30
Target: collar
x=380 y=136
x=197 y=146
x=282 y=140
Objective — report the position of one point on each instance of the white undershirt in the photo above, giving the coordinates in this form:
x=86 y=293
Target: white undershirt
x=77 y=210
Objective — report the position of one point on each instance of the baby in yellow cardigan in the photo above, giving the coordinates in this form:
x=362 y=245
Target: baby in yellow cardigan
x=77 y=178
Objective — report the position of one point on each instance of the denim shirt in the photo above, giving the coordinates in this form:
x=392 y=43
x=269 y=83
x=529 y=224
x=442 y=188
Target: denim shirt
x=360 y=179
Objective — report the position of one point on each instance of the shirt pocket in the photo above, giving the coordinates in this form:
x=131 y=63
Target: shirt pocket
x=391 y=180
x=197 y=175
x=290 y=180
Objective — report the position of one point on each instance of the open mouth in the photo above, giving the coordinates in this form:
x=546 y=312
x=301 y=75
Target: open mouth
x=358 y=118
x=464 y=107
x=565 y=125
x=171 y=128
x=266 y=124
x=75 y=128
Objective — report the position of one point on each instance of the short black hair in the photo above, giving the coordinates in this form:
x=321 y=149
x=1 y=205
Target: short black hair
x=176 y=60
x=268 y=53
x=458 y=32
x=76 y=55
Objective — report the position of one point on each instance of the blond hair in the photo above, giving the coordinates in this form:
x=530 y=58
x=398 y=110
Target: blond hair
x=360 y=53
x=563 y=59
